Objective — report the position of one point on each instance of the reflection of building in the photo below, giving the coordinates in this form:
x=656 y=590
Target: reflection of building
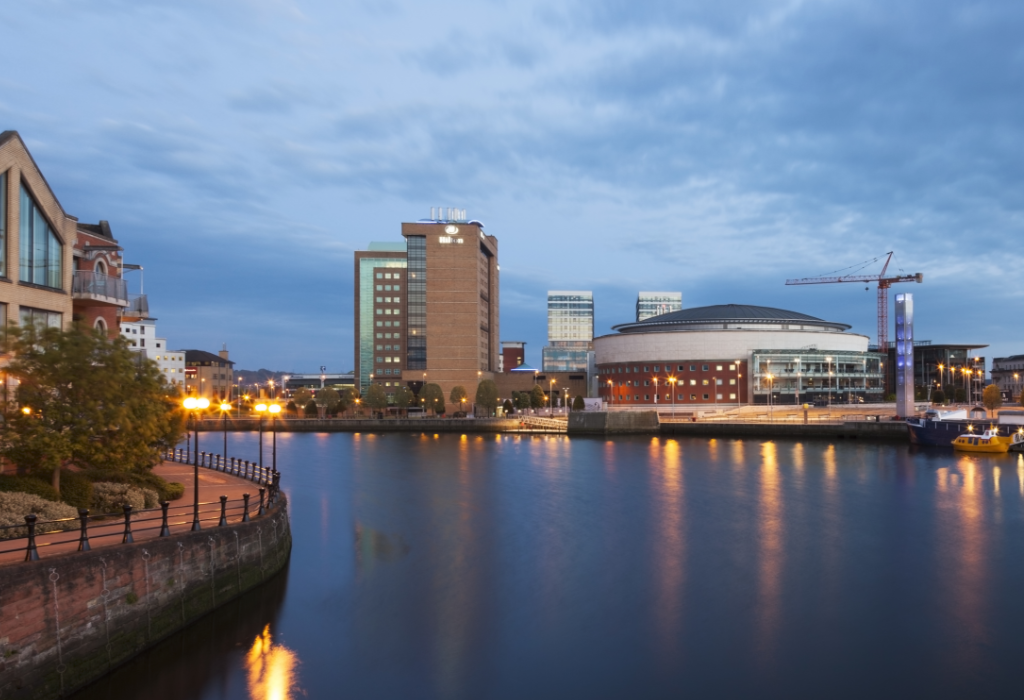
x=650 y=304
x=570 y=331
x=1008 y=375
x=428 y=310
x=207 y=374
x=961 y=368
x=733 y=354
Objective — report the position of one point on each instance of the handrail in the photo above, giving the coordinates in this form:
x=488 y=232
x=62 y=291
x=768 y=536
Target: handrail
x=267 y=479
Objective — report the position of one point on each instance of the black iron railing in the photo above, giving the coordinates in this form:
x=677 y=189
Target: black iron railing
x=129 y=523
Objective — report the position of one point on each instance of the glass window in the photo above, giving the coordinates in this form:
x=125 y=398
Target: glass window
x=732 y=368
x=693 y=368
x=718 y=396
x=704 y=382
x=647 y=397
x=656 y=368
x=732 y=382
x=705 y=397
x=380 y=287
x=397 y=288
x=380 y=275
x=718 y=368
x=693 y=397
x=646 y=369
x=41 y=250
x=380 y=300
x=732 y=396
x=693 y=382
x=704 y=368
x=40 y=317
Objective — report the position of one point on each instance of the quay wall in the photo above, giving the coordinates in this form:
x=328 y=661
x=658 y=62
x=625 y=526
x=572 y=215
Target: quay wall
x=67 y=620
x=888 y=431
x=612 y=422
x=350 y=425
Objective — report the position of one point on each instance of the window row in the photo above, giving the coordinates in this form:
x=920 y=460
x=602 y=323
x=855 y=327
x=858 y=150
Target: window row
x=389 y=275
x=389 y=312
x=388 y=324
x=389 y=359
x=389 y=300
x=388 y=288
x=693 y=382
x=396 y=336
x=389 y=371
x=679 y=397
x=388 y=347
x=41 y=251
x=668 y=368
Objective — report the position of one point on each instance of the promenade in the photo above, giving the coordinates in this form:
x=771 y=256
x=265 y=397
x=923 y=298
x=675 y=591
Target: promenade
x=146 y=524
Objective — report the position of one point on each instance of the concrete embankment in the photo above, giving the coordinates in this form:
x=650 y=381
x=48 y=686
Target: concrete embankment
x=612 y=423
x=388 y=425
x=864 y=430
x=67 y=620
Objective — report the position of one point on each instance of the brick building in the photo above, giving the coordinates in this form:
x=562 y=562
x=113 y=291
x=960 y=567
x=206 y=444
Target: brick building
x=427 y=311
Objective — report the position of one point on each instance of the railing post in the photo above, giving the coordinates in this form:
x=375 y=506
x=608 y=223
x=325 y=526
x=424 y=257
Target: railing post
x=127 y=539
x=245 y=507
x=246 y=467
x=263 y=493
x=223 y=511
x=31 y=554
x=165 y=529
x=83 y=537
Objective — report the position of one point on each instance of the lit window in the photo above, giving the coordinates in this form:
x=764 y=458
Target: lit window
x=732 y=368
x=693 y=382
x=704 y=382
x=718 y=368
x=732 y=382
x=732 y=397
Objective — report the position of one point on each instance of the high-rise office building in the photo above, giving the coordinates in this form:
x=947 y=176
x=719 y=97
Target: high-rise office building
x=427 y=311
x=570 y=331
x=650 y=304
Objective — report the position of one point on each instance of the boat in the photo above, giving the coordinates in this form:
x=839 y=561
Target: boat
x=939 y=428
x=988 y=442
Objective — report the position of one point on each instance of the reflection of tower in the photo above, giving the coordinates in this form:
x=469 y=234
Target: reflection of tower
x=905 y=355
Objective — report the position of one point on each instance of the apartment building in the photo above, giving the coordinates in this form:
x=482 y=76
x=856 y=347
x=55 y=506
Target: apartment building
x=570 y=331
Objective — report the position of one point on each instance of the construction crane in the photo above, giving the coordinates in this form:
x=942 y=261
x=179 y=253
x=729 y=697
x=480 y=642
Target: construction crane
x=883 y=292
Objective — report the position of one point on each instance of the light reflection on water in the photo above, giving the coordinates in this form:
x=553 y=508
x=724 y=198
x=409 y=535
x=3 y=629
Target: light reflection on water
x=270 y=669
x=468 y=566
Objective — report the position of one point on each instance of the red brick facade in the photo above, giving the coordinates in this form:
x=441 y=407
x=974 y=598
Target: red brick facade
x=692 y=382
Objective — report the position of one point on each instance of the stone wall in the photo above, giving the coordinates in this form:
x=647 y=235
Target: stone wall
x=67 y=620
x=348 y=425
x=612 y=422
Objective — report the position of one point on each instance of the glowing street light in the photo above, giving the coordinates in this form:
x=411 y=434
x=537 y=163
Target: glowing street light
x=261 y=408
x=192 y=404
x=225 y=408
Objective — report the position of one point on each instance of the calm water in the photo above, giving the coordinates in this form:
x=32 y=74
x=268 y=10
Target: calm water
x=517 y=567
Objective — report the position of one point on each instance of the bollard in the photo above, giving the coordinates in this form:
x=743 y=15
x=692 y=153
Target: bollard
x=31 y=554
x=165 y=529
x=262 y=510
x=245 y=507
x=223 y=511
x=83 y=537
x=127 y=539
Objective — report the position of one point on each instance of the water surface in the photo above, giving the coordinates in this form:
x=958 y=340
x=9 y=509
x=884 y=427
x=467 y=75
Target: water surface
x=509 y=567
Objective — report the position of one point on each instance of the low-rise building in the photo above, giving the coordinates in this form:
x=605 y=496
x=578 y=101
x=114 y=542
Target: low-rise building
x=207 y=374
x=1008 y=375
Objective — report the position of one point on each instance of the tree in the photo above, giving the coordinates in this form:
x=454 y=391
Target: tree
x=992 y=397
x=327 y=397
x=404 y=398
x=376 y=398
x=521 y=400
x=960 y=395
x=578 y=404
x=350 y=397
x=487 y=396
x=458 y=396
x=302 y=396
x=432 y=398
x=90 y=401
x=291 y=408
x=938 y=397
x=507 y=407
x=310 y=409
x=537 y=397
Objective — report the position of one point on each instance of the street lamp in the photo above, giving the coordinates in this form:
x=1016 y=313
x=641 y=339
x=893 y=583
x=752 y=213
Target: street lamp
x=261 y=408
x=192 y=405
x=739 y=393
x=224 y=408
x=655 y=391
x=672 y=382
x=771 y=388
x=565 y=400
x=610 y=395
x=829 y=360
x=274 y=409
x=551 y=403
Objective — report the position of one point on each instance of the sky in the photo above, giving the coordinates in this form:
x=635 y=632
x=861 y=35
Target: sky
x=243 y=149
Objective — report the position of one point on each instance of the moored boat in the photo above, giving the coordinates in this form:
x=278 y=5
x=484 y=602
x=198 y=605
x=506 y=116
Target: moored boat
x=988 y=442
x=940 y=428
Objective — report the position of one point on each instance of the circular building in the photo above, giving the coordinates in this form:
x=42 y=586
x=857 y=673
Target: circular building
x=735 y=354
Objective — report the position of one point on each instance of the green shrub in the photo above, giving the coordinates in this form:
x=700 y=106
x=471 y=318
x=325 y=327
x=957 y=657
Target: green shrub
x=28 y=484
x=109 y=497
x=15 y=506
x=75 y=489
x=174 y=491
x=311 y=411
x=140 y=479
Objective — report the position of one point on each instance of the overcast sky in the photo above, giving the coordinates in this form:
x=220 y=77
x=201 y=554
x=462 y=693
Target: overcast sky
x=242 y=149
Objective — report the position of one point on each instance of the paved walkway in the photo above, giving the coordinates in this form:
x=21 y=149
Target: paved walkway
x=146 y=525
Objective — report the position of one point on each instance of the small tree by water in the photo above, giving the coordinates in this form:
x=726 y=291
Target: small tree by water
x=992 y=397
x=487 y=396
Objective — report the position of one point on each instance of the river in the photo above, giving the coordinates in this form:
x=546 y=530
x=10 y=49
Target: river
x=447 y=566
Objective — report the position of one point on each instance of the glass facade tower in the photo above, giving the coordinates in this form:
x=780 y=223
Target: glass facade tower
x=649 y=304
x=570 y=331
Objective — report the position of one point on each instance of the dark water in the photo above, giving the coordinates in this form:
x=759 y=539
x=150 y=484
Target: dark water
x=487 y=567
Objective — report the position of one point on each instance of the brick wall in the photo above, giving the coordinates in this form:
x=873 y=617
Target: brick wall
x=67 y=620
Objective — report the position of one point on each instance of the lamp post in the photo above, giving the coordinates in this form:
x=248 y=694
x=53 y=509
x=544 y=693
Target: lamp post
x=771 y=387
x=714 y=388
x=551 y=397
x=739 y=392
x=829 y=361
x=261 y=408
x=274 y=409
x=565 y=400
x=611 y=396
x=672 y=382
x=224 y=408
x=191 y=405
x=655 y=391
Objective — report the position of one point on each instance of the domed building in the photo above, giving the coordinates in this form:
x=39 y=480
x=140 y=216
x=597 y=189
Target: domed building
x=736 y=354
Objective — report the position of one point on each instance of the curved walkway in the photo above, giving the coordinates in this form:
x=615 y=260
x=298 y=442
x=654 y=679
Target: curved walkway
x=212 y=485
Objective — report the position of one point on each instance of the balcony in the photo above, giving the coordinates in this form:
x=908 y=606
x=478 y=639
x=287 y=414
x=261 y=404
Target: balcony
x=138 y=307
x=96 y=289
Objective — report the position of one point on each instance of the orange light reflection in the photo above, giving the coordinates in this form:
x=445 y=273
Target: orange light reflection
x=270 y=669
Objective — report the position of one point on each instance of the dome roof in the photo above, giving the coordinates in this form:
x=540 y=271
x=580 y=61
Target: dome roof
x=722 y=315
